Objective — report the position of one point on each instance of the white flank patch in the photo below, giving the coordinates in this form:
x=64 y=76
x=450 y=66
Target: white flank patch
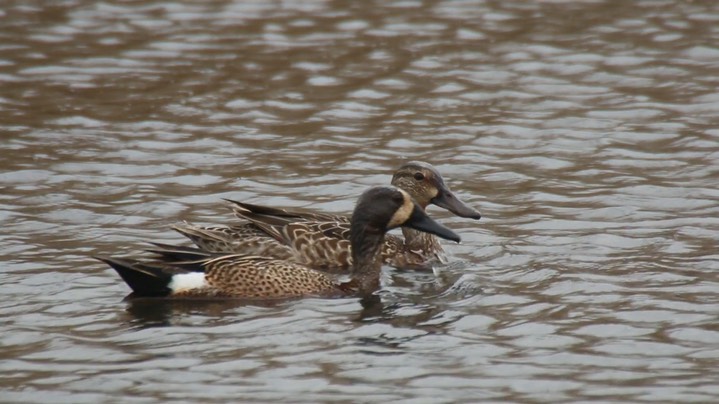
x=184 y=282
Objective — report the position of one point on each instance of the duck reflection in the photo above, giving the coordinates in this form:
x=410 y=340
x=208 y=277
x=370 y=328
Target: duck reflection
x=398 y=310
x=148 y=312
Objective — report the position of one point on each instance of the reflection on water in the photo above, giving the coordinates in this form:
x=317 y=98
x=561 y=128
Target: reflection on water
x=157 y=312
x=584 y=132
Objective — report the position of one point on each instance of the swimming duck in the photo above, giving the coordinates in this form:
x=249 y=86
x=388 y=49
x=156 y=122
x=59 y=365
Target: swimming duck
x=190 y=272
x=321 y=240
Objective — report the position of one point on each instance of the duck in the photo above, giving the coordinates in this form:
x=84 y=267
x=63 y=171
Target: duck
x=321 y=240
x=189 y=272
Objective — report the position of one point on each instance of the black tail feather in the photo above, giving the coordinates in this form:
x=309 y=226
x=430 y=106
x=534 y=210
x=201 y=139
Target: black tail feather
x=144 y=280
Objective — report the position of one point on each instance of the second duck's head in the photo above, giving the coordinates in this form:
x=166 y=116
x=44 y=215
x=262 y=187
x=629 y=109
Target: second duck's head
x=426 y=185
x=380 y=209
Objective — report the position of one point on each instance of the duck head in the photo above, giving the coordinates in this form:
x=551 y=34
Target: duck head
x=426 y=185
x=381 y=209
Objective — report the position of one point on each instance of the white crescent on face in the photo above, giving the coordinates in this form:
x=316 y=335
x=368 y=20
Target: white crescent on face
x=403 y=213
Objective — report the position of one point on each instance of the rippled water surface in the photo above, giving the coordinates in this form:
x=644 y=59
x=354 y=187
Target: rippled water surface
x=587 y=133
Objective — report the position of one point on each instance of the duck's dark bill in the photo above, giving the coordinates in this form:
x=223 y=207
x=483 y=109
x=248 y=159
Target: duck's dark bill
x=446 y=199
x=420 y=221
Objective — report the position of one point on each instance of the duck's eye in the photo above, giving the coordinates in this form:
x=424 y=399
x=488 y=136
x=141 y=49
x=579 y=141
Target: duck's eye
x=418 y=176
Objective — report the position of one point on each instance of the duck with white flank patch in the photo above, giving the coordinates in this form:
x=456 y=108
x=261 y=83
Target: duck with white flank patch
x=189 y=272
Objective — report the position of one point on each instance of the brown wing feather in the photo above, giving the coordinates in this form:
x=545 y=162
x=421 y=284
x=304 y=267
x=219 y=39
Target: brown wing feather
x=278 y=215
x=243 y=239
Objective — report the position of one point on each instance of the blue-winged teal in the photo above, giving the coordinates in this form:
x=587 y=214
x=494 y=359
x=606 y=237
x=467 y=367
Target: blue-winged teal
x=321 y=240
x=189 y=272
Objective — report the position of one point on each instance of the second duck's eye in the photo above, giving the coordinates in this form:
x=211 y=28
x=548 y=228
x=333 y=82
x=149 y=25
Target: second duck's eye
x=418 y=176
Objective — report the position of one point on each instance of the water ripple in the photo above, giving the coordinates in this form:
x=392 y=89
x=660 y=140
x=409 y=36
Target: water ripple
x=588 y=143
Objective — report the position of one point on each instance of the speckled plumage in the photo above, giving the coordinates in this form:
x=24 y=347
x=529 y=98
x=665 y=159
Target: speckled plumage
x=259 y=277
x=321 y=240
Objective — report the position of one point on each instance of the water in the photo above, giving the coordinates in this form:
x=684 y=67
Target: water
x=586 y=134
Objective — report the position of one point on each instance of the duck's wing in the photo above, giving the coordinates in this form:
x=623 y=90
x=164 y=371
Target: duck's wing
x=323 y=245
x=279 y=216
x=245 y=238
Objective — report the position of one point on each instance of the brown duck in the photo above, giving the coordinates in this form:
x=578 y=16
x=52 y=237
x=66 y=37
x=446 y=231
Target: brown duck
x=321 y=240
x=189 y=272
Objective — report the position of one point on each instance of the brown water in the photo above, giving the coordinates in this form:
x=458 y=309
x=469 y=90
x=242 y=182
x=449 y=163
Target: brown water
x=587 y=133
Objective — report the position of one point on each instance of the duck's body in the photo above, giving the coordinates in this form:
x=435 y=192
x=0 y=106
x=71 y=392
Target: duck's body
x=321 y=240
x=221 y=276
x=189 y=273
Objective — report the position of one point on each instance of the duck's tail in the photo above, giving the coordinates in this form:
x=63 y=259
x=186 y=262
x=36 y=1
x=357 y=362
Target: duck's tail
x=144 y=280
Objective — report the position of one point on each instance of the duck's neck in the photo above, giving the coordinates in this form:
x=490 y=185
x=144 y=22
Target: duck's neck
x=416 y=240
x=366 y=244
